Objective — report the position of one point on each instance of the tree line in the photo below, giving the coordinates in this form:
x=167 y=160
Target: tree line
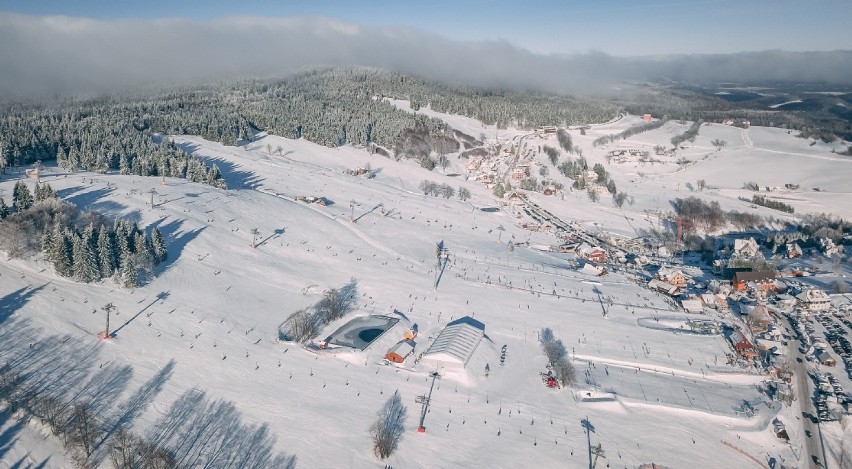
x=97 y=135
x=79 y=245
x=630 y=131
x=330 y=107
x=688 y=135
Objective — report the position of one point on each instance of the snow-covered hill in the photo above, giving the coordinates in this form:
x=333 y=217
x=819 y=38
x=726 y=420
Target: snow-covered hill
x=210 y=318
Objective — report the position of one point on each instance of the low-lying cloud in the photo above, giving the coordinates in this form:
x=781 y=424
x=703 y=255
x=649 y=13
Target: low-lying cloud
x=40 y=55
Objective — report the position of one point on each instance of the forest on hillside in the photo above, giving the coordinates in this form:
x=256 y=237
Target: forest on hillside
x=330 y=107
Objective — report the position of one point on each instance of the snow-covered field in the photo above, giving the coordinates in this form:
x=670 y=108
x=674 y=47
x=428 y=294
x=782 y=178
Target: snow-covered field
x=210 y=319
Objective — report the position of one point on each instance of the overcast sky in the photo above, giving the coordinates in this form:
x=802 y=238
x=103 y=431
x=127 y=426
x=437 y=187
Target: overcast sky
x=616 y=27
x=566 y=46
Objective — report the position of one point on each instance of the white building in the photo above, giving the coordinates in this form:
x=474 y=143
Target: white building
x=454 y=345
x=814 y=300
x=745 y=248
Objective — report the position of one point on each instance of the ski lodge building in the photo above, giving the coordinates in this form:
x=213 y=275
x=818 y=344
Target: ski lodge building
x=454 y=345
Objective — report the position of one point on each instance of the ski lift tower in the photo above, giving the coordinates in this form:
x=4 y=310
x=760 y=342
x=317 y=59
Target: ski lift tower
x=107 y=308
x=589 y=430
x=425 y=399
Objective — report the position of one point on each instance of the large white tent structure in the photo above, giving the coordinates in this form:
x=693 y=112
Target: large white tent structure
x=455 y=344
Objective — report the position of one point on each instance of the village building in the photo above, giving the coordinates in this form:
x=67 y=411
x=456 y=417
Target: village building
x=598 y=189
x=486 y=178
x=785 y=301
x=743 y=346
x=593 y=270
x=400 y=351
x=793 y=251
x=745 y=248
x=545 y=131
x=759 y=279
x=708 y=299
x=759 y=318
x=663 y=287
x=589 y=175
x=827 y=247
x=672 y=276
x=591 y=253
x=722 y=303
x=814 y=300
x=516 y=197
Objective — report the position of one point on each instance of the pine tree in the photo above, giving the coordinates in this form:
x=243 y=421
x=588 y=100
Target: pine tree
x=90 y=264
x=129 y=275
x=22 y=199
x=122 y=239
x=62 y=255
x=106 y=253
x=77 y=257
x=48 y=245
x=38 y=193
x=61 y=157
x=4 y=209
x=159 y=246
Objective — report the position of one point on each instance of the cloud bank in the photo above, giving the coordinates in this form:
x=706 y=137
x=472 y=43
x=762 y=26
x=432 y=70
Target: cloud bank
x=52 y=54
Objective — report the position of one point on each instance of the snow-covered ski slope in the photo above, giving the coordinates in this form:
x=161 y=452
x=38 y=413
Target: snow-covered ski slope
x=210 y=318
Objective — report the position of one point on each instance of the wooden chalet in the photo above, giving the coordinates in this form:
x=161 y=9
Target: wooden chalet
x=764 y=279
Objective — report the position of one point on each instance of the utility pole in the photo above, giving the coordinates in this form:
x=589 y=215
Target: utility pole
x=425 y=401
x=153 y=191
x=352 y=211
x=107 y=308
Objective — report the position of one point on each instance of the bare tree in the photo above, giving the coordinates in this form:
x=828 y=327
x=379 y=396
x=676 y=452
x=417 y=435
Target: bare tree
x=554 y=351
x=387 y=430
x=564 y=371
x=301 y=326
x=52 y=411
x=546 y=336
x=84 y=428
x=337 y=303
x=124 y=449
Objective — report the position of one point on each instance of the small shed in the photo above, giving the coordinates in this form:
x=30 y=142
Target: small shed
x=400 y=351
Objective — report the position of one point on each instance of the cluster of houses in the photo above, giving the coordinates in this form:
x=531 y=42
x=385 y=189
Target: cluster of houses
x=759 y=295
